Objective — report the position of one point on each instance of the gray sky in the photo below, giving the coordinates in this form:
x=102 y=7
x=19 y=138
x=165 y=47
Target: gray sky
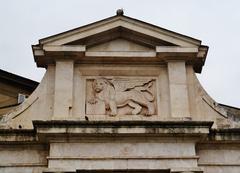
x=215 y=22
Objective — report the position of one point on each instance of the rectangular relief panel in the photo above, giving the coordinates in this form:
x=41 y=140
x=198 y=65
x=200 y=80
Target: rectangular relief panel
x=121 y=96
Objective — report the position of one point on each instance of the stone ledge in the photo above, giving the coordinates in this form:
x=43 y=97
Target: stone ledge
x=165 y=128
x=225 y=135
x=121 y=158
x=175 y=170
x=109 y=128
x=176 y=123
x=53 y=170
x=24 y=165
x=17 y=135
x=218 y=164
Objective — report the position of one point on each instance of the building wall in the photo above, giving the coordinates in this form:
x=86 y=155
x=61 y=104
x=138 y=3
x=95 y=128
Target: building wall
x=120 y=153
x=23 y=158
x=11 y=86
x=219 y=157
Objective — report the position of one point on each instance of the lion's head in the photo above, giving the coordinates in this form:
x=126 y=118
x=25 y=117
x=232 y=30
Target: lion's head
x=99 y=85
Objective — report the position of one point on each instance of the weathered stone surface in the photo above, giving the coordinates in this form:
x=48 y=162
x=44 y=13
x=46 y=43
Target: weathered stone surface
x=124 y=96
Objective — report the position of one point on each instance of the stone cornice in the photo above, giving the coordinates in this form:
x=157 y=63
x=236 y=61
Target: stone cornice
x=50 y=54
x=175 y=129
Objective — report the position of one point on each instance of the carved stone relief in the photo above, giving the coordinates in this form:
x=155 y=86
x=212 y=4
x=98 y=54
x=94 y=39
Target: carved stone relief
x=121 y=96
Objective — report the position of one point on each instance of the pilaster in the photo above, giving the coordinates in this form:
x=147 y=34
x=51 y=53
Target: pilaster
x=63 y=96
x=179 y=103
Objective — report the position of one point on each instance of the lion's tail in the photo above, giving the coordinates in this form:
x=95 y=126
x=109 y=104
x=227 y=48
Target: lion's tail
x=146 y=91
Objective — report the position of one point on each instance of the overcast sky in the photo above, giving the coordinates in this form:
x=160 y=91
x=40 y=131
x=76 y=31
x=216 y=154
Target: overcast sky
x=215 y=22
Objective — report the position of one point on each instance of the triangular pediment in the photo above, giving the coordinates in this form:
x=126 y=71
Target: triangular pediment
x=120 y=36
x=120 y=33
x=114 y=27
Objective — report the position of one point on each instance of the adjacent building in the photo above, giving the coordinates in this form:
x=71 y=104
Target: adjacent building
x=14 y=90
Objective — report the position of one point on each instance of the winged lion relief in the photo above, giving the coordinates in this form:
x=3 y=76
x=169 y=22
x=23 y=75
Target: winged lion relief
x=121 y=96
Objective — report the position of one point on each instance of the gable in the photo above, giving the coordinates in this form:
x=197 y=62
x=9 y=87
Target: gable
x=120 y=33
x=123 y=22
x=101 y=39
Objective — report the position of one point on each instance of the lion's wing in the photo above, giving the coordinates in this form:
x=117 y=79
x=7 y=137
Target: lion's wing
x=121 y=84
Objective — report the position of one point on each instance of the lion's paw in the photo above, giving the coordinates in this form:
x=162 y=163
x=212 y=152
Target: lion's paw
x=113 y=114
x=92 y=101
x=148 y=113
